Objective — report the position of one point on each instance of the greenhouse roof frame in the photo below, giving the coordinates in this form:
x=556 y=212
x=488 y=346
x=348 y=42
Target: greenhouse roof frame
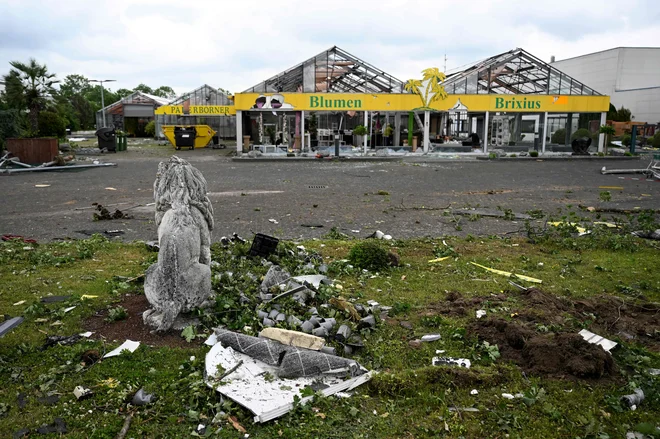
x=331 y=71
x=137 y=97
x=514 y=72
x=204 y=87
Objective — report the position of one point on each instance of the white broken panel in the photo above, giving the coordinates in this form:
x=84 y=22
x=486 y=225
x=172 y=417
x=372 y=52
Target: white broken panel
x=313 y=279
x=597 y=339
x=266 y=395
x=128 y=345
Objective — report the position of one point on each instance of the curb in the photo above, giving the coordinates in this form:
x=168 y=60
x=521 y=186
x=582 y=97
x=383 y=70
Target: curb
x=560 y=158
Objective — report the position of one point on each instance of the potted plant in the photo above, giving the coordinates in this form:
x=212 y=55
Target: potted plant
x=609 y=131
x=361 y=132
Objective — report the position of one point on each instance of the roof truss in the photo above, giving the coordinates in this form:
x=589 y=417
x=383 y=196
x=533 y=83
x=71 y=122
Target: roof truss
x=514 y=72
x=331 y=71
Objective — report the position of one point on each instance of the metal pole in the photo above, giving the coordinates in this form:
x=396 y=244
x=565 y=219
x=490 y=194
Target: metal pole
x=545 y=131
x=427 y=131
x=102 y=104
x=633 y=139
x=486 y=133
x=601 y=137
x=239 y=133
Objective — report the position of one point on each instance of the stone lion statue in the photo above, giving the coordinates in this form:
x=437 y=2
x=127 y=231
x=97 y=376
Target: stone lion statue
x=181 y=279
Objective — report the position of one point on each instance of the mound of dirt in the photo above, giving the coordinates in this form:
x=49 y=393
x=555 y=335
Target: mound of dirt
x=457 y=305
x=133 y=328
x=549 y=355
x=631 y=320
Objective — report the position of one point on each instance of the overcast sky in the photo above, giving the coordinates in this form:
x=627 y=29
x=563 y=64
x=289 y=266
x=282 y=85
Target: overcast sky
x=236 y=44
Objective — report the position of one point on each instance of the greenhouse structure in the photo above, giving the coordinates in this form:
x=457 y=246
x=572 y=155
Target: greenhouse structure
x=131 y=113
x=204 y=97
x=512 y=101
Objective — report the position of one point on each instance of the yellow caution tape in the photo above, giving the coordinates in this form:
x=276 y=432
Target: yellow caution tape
x=559 y=223
x=439 y=259
x=507 y=274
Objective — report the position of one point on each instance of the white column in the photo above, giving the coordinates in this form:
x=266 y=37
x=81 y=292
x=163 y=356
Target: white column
x=366 y=125
x=427 y=131
x=601 y=137
x=485 y=140
x=397 y=129
x=545 y=131
x=302 y=131
x=239 y=132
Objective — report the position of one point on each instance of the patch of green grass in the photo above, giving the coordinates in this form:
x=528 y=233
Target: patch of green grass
x=407 y=398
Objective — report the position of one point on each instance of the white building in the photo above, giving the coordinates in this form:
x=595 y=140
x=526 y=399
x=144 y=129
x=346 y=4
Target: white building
x=629 y=75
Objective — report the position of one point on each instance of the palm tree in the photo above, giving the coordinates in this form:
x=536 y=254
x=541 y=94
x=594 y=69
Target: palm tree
x=27 y=86
x=429 y=88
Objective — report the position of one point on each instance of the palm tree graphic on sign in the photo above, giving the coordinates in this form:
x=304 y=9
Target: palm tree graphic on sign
x=429 y=88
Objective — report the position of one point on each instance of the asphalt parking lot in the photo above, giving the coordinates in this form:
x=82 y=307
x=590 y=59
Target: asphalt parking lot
x=306 y=199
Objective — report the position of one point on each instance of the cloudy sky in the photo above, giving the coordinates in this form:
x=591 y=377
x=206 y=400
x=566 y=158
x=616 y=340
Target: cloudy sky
x=236 y=44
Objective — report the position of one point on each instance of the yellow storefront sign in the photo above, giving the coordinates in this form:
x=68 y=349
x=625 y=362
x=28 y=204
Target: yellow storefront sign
x=197 y=110
x=410 y=102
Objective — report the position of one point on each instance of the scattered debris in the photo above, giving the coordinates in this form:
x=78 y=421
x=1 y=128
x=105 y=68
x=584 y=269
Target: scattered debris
x=61 y=340
x=592 y=338
x=463 y=409
x=377 y=235
x=650 y=234
x=581 y=230
x=431 y=337
x=293 y=338
x=10 y=324
x=53 y=299
x=104 y=214
x=270 y=396
x=237 y=425
x=152 y=246
x=448 y=361
x=125 y=427
x=507 y=274
x=481 y=313
x=142 y=398
x=10 y=237
x=128 y=345
x=634 y=399
x=58 y=426
x=262 y=245
x=474 y=392
x=41 y=185
x=81 y=392
x=433 y=261
x=506 y=214
x=273 y=220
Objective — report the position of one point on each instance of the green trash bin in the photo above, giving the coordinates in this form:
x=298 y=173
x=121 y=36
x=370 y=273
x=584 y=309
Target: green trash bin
x=121 y=142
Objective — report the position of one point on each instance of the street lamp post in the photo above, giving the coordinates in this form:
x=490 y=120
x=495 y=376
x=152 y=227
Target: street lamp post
x=101 y=81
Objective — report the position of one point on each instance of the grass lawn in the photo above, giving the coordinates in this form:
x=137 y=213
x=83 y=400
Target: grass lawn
x=607 y=282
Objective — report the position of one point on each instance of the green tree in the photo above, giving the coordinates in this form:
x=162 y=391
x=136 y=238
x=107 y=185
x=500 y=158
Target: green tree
x=73 y=104
x=123 y=92
x=623 y=114
x=165 y=91
x=51 y=124
x=144 y=89
x=27 y=86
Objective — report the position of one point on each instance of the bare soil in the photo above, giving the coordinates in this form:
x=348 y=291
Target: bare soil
x=132 y=327
x=540 y=332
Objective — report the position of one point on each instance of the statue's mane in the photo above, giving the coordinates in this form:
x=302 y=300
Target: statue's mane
x=179 y=182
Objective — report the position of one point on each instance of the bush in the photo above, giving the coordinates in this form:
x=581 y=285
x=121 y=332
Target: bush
x=655 y=142
x=558 y=136
x=370 y=255
x=625 y=140
x=582 y=132
x=360 y=130
x=533 y=153
x=150 y=129
x=51 y=124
